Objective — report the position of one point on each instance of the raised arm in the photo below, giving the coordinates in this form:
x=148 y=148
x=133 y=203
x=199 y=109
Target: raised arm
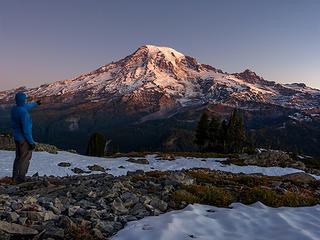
x=30 y=105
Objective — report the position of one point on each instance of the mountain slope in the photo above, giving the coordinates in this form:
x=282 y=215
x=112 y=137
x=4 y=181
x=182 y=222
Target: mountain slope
x=162 y=76
x=160 y=84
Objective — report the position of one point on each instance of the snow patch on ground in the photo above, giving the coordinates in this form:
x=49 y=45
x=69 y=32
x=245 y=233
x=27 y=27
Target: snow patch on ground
x=47 y=164
x=241 y=222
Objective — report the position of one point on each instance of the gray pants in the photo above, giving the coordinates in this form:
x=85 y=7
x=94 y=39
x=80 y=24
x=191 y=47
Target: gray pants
x=22 y=161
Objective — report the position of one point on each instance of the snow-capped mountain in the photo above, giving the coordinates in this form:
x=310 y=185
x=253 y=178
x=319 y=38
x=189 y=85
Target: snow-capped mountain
x=162 y=79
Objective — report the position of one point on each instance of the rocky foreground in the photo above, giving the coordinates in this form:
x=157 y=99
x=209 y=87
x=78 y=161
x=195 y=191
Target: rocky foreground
x=97 y=206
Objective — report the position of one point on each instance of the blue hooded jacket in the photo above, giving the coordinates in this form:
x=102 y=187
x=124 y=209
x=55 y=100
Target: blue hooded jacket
x=20 y=119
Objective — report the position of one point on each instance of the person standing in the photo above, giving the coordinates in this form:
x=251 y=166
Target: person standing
x=22 y=132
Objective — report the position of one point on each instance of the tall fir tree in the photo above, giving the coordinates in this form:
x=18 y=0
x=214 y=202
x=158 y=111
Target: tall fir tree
x=215 y=135
x=96 y=145
x=237 y=140
x=202 y=132
x=224 y=129
x=231 y=134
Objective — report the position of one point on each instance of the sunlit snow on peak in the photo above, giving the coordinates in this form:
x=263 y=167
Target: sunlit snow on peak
x=168 y=52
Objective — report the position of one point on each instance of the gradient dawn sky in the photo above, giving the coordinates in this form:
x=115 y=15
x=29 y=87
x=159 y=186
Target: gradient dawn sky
x=43 y=41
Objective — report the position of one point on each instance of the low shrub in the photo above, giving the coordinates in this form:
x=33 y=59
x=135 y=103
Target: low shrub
x=250 y=181
x=80 y=232
x=204 y=195
x=273 y=199
x=221 y=198
x=6 y=180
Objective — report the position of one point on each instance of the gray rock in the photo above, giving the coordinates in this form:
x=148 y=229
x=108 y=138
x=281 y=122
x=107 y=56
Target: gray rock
x=159 y=204
x=39 y=235
x=117 y=225
x=12 y=216
x=72 y=210
x=138 y=161
x=3 y=190
x=136 y=173
x=181 y=178
x=167 y=189
x=139 y=211
x=22 y=220
x=118 y=207
x=65 y=221
x=129 y=199
x=156 y=212
x=97 y=233
x=105 y=215
x=30 y=199
x=105 y=227
x=13 y=189
x=58 y=204
x=92 y=213
x=92 y=194
x=85 y=204
x=54 y=209
x=54 y=232
x=299 y=177
x=102 y=203
x=48 y=215
x=77 y=170
x=64 y=164
x=33 y=216
x=16 y=229
x=145 y=199
x=130 y=218
x=149 y=207
x=96 y=168
x=15 y=205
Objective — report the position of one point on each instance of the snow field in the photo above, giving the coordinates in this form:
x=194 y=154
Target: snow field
x=47 y=164
x=241 y=222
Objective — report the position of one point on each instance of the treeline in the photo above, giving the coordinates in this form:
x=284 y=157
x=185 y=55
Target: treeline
x=214 y=135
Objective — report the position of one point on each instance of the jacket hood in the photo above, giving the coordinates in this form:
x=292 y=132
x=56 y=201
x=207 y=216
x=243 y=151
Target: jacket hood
x=21 y=99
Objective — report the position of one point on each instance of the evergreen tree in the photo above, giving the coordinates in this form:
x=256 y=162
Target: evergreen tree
x=240 y=135
x=215 y=135
x=231 y=134
x=226 y=137
x=237 y=140
x=117 y=150
x=202 y=132
x=224 y=129
x=96 y=145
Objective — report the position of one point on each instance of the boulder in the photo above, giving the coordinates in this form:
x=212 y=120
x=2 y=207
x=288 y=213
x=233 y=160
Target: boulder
x=97 y=168
x=138 y=161
x=64 y=164
x=105 y=227
x=181 y=178
x=159 y=204
x=16 y=229
x=118 y=207
x=299 y=177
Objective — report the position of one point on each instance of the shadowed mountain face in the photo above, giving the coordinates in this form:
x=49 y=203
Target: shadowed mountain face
x=140 y=101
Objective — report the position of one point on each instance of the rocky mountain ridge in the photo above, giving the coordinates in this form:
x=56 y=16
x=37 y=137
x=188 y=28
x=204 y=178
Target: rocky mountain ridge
x=163 y=80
